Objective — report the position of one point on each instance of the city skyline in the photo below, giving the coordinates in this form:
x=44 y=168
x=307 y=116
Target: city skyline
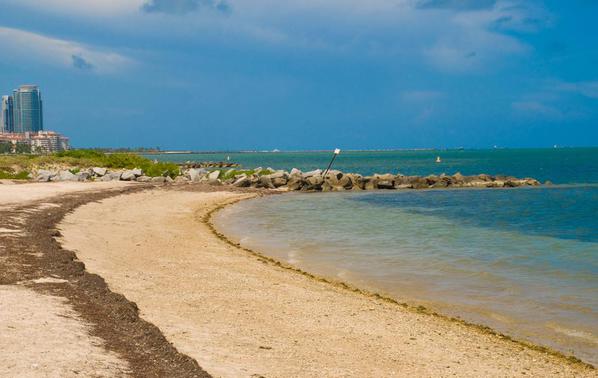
x=232 y=75
x=22 y=111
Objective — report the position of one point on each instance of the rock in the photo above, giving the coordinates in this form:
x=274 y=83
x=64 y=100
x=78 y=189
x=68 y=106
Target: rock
x=195 y=174
x=336 y=181
x=242 y=182
x=295 y=182
x=357 y=182
x=313 y=182
x=168 y=180
x=215 y=182
x=548 y=183
x=144 y=179
x=137 y=172
x=114 y=175
x=65 y=175
x=44 y=175
x=295 y=171
x=458 y=179
x=417 y=182
x=83 y=176
x=317 y=172
x=442 y=181
x=128 y=175
x=402 y=182
x=181 y=180
x=371 y=183
x=98 y=171
x=265 y=182
x=484 y=177
x=158 y=179
x=213 y=175
x=386 y=181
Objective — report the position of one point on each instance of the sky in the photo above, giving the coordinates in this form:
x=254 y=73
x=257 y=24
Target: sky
x=307 y=74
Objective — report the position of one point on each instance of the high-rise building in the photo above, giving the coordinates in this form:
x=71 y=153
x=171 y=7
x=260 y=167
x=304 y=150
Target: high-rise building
x=27 y=109
x=6 y=115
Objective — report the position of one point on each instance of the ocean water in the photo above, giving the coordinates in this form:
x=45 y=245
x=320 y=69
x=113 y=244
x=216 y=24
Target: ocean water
x=559 y=165
x=523 y=260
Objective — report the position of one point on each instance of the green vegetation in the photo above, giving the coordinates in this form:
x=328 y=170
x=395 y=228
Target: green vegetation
x=75 y=160
x=225 y=175
x=7 y=173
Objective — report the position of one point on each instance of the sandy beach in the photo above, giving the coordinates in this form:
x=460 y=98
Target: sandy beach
x=238 y=314
x=57 y=319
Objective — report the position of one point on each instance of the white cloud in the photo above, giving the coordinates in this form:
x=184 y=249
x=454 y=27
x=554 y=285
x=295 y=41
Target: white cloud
x=537 y=109
x=31 y=48
x=584 y=88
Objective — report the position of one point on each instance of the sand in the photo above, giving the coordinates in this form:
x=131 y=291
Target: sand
x=240 y=316
x=11 y=193
x=41 y=335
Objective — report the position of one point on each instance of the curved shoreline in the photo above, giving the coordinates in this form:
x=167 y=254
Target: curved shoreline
x=207 y=219
x=238 y=314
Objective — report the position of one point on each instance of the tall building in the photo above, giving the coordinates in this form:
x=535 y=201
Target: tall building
x=6 y=115
x=27 y=109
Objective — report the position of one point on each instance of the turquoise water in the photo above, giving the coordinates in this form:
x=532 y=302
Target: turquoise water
x=559 y=165
x=528 y=273
x=523 y=261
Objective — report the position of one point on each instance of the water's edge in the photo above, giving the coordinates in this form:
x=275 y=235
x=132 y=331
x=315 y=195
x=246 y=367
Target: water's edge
x=220 y=234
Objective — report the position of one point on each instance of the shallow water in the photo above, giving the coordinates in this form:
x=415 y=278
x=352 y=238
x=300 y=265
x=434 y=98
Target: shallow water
x=523 y=261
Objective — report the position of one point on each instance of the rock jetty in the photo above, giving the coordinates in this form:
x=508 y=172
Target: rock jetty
x=295 y=180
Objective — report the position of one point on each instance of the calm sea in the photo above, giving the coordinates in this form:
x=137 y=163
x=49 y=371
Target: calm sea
x=523 y=261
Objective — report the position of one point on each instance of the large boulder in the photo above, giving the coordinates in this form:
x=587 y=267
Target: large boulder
x=144 y=179
x=98 y=171
x=442 y=181
x=336 y=181
x=195 y=174
x=265 y=182
x=418 y=182
x=128 y=175
x=295 y=182
x=386 y=181
x=278 y=178
x=158 y=179
x=242 y=182
x=357 y=182
x=458 y=179
x=402 y=182
x=213 y=175
x=316 y=172
x=137 y=172
x=370 y=183
x=83 y=176
x=295 y=171
x=44 y=175
x=313 y=182
x=65 y=175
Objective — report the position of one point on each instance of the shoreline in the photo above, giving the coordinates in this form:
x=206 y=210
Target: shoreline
x=261 y=270
x=420 y=309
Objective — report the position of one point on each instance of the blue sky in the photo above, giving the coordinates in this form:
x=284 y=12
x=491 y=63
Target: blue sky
x=307 y=74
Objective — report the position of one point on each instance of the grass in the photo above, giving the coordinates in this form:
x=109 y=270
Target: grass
x=9 y=174
x=76 y=160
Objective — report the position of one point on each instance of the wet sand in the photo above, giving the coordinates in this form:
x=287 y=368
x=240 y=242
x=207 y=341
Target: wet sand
x=238 y=314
